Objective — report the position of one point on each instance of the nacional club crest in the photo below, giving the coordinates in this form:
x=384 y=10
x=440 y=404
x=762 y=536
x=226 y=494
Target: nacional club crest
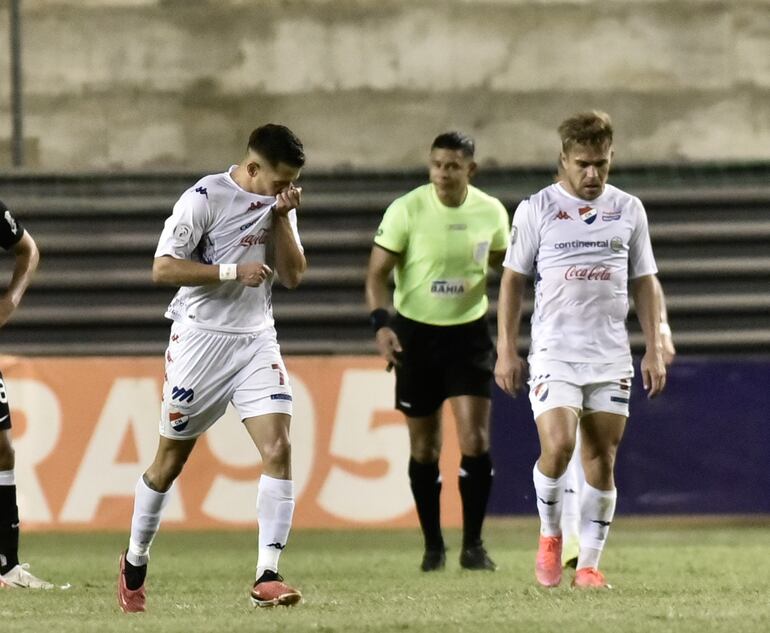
x=587 y=214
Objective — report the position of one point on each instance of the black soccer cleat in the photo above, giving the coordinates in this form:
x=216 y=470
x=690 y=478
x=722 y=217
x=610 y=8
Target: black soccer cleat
x=433 y=560
x=475 y=557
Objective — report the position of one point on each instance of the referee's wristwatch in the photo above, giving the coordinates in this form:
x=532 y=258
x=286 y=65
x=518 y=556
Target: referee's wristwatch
x=379 y=318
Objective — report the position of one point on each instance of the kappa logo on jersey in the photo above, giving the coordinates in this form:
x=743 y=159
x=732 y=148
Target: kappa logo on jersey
x=203 y=191
x=178 y=420
x=260 y=237
x=541 y=391
x=587 y=214
x=255 y=205
x=562 y=215
x=11 y=222
x=182 y=394
x=175 y=338
x=588 y=273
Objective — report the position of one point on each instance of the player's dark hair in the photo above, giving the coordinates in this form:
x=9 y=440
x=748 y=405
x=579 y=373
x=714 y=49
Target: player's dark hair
x=455 y=141
x=586 y=128
x=277 y=144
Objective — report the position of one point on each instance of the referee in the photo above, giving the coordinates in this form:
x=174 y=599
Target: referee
x=441 y=239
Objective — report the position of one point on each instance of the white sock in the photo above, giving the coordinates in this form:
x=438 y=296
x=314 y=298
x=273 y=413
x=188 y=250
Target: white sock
x=275 y=508
x=550 y=493
x=597 y=511
x=148 y=506
x=570 y=505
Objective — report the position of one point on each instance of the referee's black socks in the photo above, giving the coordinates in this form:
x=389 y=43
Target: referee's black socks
x=9 y=529
x=425 y=482
x=475 y=483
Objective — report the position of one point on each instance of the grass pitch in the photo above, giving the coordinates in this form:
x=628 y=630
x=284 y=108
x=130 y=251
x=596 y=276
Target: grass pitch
x=672 y=576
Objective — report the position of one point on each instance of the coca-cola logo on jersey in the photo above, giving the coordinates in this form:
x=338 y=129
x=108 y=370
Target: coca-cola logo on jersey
x=588 y=273
x=260 y=237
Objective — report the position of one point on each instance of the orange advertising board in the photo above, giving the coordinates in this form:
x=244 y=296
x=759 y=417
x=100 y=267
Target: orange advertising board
x=85 y=429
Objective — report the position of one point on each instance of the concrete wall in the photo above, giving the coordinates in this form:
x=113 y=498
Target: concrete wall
x=136 y=84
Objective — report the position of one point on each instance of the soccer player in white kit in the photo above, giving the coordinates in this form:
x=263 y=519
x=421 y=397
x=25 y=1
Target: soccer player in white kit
x=227 y=235
x=583 y=241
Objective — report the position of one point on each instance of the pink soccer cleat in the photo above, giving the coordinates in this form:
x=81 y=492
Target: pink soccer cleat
x=548 y=561
x=270 y=591
x=589 y=578
x=129 y=600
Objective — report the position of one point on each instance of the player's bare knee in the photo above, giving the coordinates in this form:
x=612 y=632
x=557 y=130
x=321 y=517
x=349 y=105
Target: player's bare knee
x=276 y=454
x=425 y=453
x=159 y=477
x=425 y=448
x=7 y=456
x=474 y=444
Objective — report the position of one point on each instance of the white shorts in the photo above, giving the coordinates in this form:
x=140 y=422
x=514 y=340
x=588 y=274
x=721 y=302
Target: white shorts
x=205 y=371
x=583 y=387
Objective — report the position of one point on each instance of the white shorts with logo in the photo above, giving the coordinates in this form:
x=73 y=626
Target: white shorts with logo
x=205 y=371
x=583 y=387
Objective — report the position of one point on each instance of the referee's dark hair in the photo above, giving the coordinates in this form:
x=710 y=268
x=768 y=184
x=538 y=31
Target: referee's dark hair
x=455 y=141
x=277 y=144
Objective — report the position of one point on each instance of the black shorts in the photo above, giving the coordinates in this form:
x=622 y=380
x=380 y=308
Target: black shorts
x=5 y=411
x=439 y=362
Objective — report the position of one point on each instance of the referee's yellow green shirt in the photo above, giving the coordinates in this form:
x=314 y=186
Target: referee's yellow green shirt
x=441 y=278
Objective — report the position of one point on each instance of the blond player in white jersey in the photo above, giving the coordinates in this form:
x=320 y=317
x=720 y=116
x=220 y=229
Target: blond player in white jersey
x=226 y=238
x=583 y=241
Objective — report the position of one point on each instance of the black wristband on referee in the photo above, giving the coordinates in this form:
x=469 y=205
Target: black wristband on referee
x=379 y=318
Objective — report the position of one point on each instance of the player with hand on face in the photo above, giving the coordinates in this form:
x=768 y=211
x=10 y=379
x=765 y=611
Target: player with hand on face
x=583 y=241
x=226 y=237
x=12 y=573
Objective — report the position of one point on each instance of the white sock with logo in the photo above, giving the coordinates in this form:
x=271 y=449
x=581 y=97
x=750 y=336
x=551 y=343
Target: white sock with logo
x=148 y=507
x=570 y=509
x=597 y=511
x=275 y=508
x=550 y=493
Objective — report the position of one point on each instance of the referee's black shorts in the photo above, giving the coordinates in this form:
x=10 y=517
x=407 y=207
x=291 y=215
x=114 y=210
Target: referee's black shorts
x=439 y=362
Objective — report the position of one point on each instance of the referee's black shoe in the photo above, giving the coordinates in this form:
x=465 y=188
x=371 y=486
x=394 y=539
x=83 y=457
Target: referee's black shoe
x=433 y=559
x=475 y=557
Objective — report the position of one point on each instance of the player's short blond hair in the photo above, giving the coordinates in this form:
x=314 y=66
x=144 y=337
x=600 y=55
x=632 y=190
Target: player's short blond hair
x=586 y=128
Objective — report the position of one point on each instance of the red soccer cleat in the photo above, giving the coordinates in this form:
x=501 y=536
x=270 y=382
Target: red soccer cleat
x=548 y=561
x=270 y=591
x=589 y=578
x=129 y=600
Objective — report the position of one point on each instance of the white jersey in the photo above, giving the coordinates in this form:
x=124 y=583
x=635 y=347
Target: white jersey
x=582 y=254
x=218 y=222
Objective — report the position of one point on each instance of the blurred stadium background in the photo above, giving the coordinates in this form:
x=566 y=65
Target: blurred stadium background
x=110 y=108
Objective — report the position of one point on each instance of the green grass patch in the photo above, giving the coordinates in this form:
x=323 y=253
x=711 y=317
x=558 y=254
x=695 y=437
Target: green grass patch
x=672 y=576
